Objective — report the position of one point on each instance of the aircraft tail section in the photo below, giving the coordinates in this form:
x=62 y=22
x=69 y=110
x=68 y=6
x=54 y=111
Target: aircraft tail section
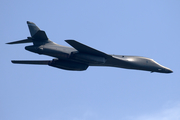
x=38 y=37
x=35 y=32
x=33 y=29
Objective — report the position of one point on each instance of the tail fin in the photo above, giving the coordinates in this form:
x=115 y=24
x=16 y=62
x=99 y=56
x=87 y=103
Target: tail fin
x=38 y=36
x=36 y=33
x=33 y=29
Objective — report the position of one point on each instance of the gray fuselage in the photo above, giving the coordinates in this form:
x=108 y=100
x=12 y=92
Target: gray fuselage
x=121 y=61
x=81 y=56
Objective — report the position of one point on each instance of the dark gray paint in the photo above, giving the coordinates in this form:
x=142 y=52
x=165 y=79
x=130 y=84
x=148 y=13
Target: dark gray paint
x=80 y=57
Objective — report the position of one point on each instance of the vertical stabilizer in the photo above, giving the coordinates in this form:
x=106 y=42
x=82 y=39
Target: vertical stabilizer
x=38 y=37
x=32 y=28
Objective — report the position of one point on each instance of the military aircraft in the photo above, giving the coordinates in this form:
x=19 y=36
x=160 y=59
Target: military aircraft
x=81 y=56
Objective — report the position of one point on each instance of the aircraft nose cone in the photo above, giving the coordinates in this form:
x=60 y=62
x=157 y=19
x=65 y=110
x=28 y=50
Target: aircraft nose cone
x=165 y=70
x=169 y=71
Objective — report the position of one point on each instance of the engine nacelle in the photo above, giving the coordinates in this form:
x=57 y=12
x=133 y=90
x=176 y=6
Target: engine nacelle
x=68 y=65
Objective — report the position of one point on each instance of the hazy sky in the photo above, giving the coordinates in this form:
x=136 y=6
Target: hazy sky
x=148 y=28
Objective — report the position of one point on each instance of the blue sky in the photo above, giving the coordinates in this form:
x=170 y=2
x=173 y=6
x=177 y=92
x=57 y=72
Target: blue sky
x=144 y=28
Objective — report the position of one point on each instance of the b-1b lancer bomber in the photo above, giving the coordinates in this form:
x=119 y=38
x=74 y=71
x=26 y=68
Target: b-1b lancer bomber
x=81 y=56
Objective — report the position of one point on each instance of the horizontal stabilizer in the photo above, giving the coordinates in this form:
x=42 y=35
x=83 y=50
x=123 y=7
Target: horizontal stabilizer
x=36 y=62
x=21 y=41
x=86 y=49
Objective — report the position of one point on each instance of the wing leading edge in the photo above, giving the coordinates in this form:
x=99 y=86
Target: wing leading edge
x=86 y=49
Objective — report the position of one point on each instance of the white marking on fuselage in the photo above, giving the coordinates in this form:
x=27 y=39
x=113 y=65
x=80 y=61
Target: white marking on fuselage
x=130 y=59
